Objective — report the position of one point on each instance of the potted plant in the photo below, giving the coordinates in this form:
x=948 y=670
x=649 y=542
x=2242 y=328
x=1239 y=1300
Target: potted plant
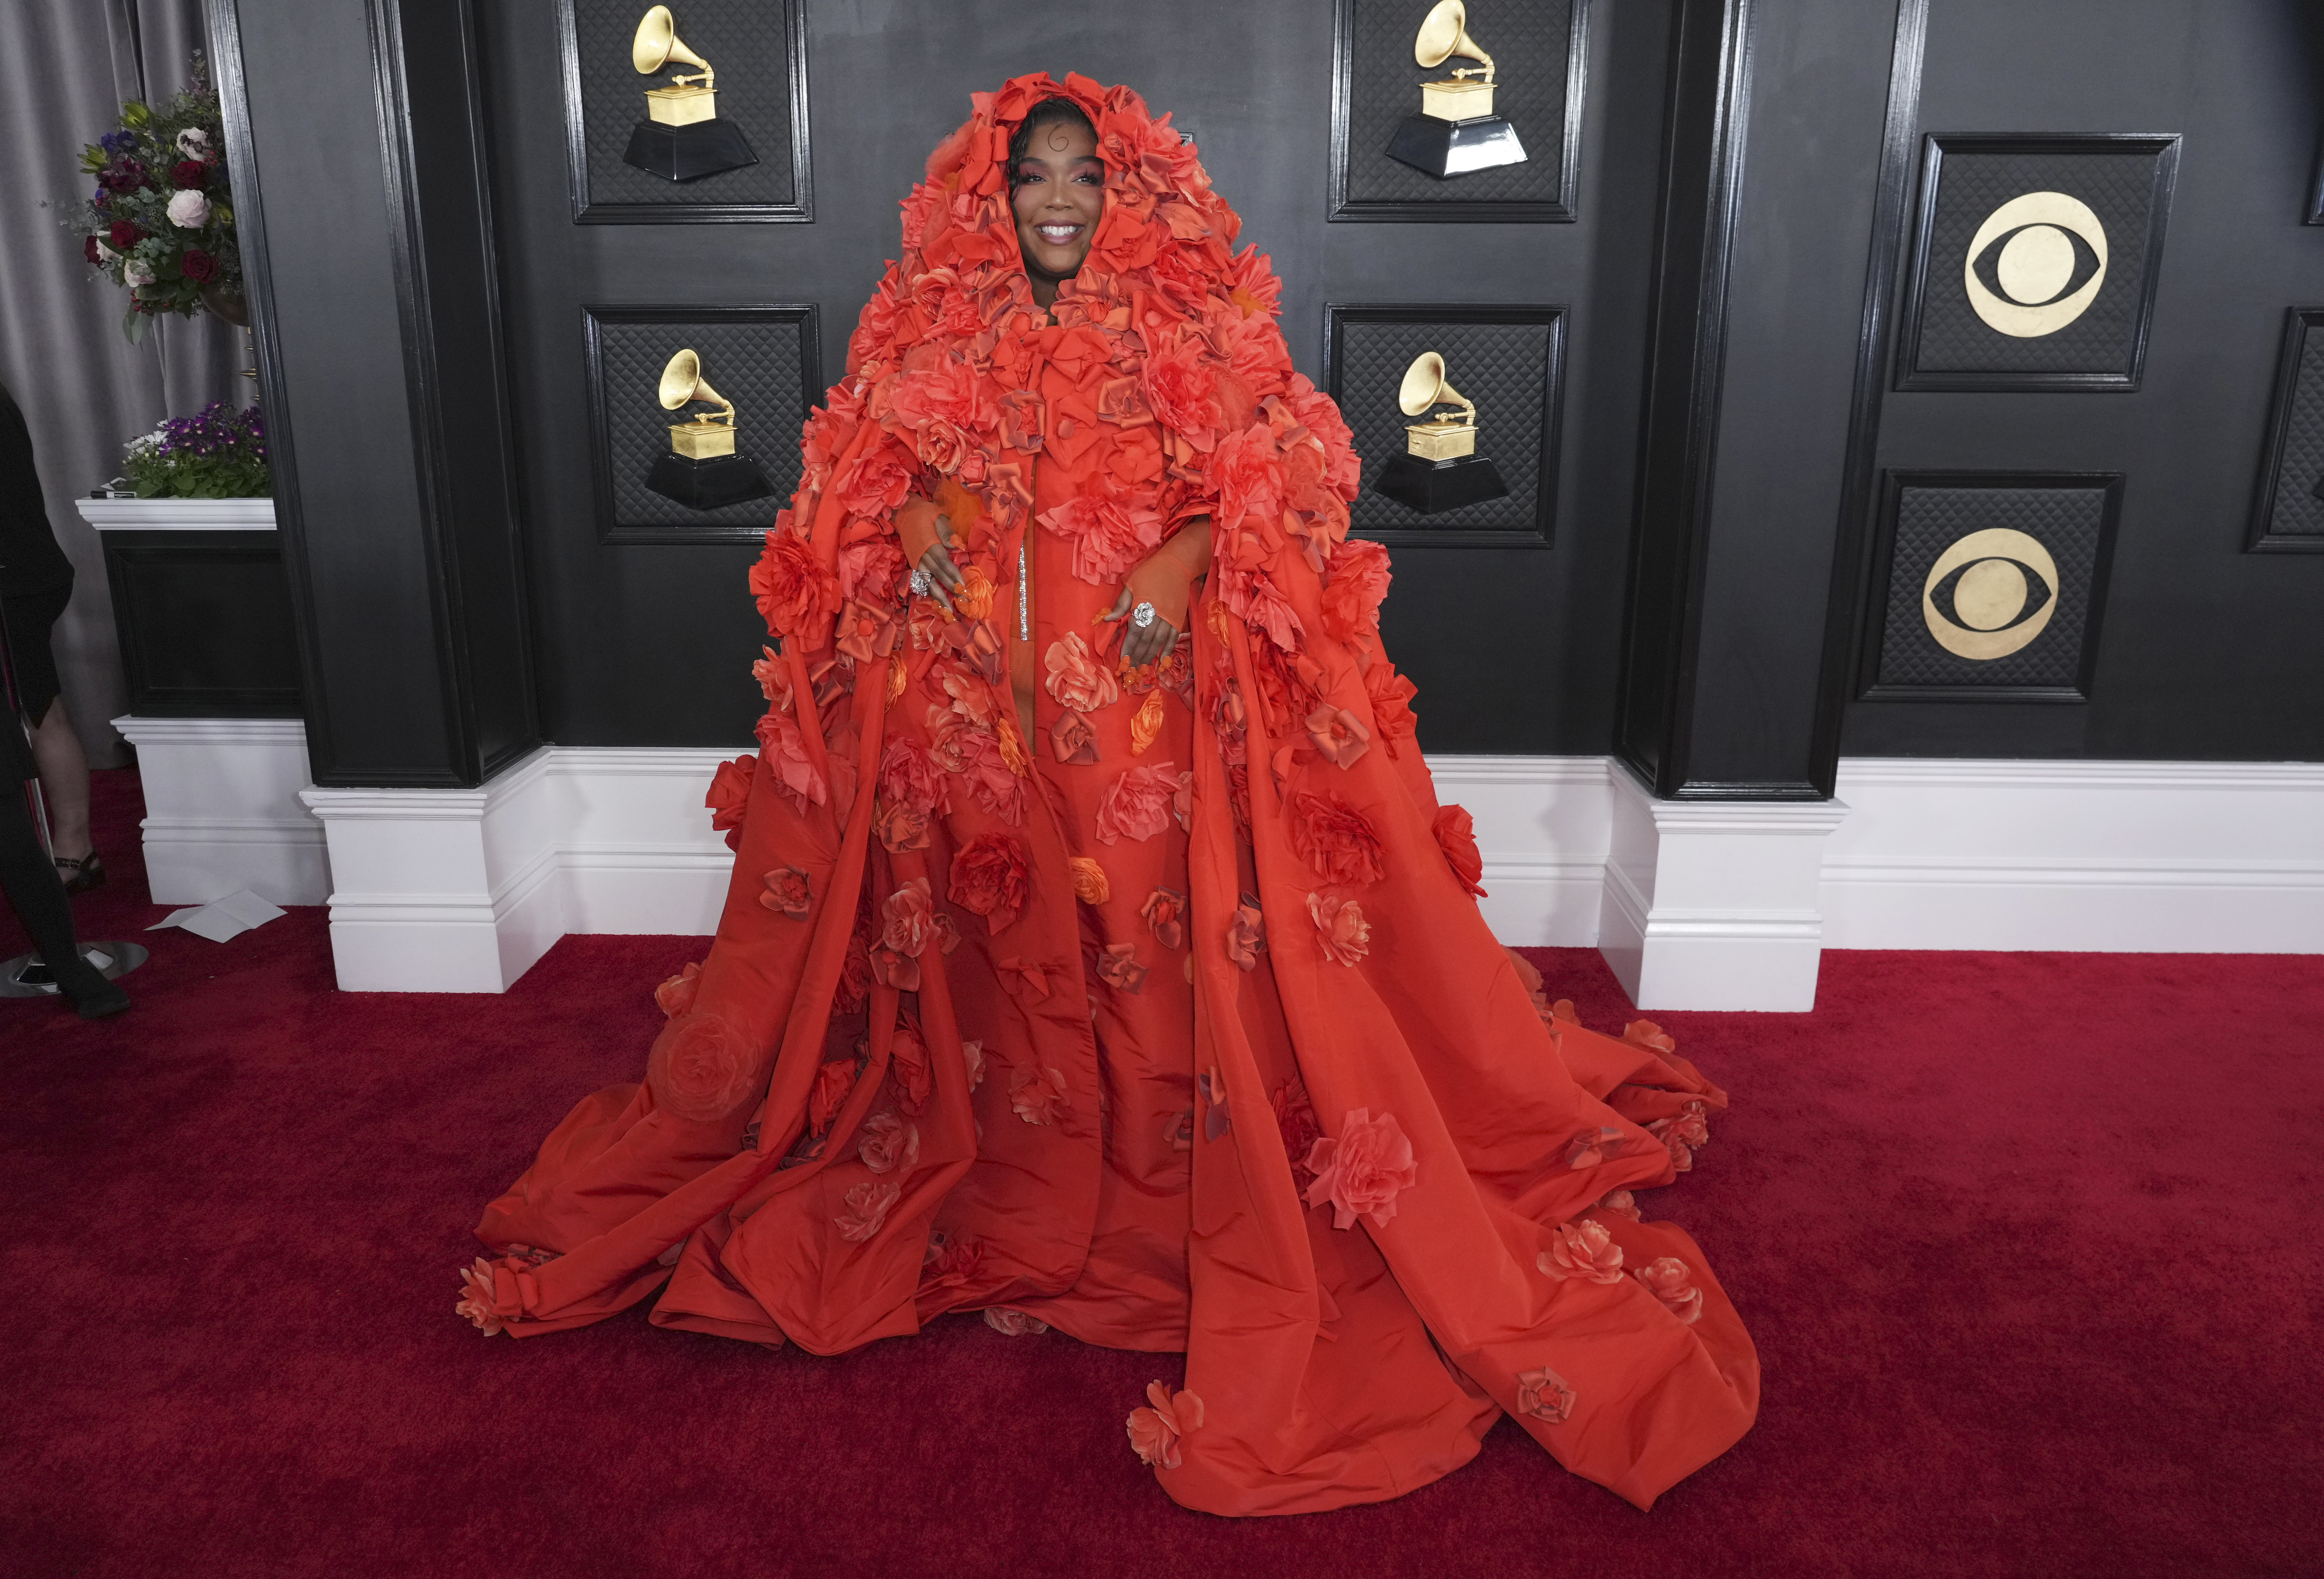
x=160 y=220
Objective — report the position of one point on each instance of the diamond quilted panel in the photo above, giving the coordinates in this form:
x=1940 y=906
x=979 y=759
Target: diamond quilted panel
x=1528 y=41
x=2298 y=512
x=2067 y=521
x=1501 y=366
x=746 y=41
x=754 y=364
x=2118 y=187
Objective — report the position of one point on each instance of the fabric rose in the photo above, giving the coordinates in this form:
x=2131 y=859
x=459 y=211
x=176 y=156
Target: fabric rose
x=1072 y=740
x=889 y=1144
x=1362 y=1170
x=909 y=777
x=700 y=1069
x=1119 y=968
x=991 y=878
x=480 y=1297
x=855 y=976
x=1013 y=1323
x=1592 y=1146
x=972 y=1053
x=1620 y=1203
x=1391 y=696
x=1077 y=680
x=1646 y=1034
x=1339 y=736
x=1182 y=391
x=1146 y=723
x=1295 y=1118
x=188 y=210
x=1038 y=1095
x=1090 y=885
x=797 y=593
x=1340 y=924
x=1359 y=578
x=907 y=1062
x=784 y=750
x=834 y=1078
x=1544 y=1395
x=950 y=1261
x=1585 y=1250
x=788 y=892
x=908 y=918
x=676 y=996
x=902 y=826
x=1335 y=838
x=1110 y=536
x=1671 y=1281
x=1137 y=805
x=897 y=969
x=1182 y=802
x=1683 y=1136
x=728 y=797
x=1247 y=933
x=1456 y=836
x=1165 y=912
x=1155 y=1430
x=867 y=1209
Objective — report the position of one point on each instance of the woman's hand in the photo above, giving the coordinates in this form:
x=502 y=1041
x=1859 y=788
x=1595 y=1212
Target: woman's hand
x=924 y=533
x=1167 y=580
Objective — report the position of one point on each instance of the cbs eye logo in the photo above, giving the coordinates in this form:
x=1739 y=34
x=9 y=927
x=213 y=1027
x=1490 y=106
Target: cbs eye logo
x=1989 y=594
x=2035 y=265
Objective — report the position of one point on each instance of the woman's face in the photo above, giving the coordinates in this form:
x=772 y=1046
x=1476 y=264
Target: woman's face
x=1060 y=195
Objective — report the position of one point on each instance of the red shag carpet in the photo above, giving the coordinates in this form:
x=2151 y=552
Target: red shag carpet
x=2030 y=1244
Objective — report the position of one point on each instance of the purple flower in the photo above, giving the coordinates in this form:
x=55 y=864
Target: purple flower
x=117 y=144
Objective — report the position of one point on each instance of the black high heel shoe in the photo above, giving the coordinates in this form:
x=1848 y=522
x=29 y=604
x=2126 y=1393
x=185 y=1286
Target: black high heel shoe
x=81 y=873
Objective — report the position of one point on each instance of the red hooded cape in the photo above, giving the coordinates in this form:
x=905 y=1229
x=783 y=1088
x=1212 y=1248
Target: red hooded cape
x=1173 y=1026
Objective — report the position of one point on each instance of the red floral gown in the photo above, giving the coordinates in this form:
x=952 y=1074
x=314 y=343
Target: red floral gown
x=1173 y=1027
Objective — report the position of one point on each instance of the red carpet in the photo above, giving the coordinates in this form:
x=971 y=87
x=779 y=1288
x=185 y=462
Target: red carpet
x=2030 y=1244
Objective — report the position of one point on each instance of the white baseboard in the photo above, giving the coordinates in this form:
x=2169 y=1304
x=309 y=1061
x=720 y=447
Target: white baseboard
x=1697 y=904
x=2131 y=856
x=222 y=809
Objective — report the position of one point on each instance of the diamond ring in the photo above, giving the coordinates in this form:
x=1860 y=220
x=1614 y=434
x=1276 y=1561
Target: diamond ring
x=920 y=584
x=1142 y=615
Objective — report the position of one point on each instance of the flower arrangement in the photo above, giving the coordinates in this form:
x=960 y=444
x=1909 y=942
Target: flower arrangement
x=160 y=221
x=217 y=455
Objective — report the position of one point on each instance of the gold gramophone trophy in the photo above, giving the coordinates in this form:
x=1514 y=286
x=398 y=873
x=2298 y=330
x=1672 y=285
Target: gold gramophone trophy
x=701 y=470
x=681 y=139
x=1440 y=469
x=1456 y=130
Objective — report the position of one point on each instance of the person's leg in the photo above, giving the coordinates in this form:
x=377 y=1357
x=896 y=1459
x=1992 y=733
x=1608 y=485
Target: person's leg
x=64 y=782
x=38 y=894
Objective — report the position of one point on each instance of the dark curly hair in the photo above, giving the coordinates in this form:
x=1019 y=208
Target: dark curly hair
x=1050 y=112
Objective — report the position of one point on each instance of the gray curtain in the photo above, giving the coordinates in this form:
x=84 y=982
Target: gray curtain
x=85 y=389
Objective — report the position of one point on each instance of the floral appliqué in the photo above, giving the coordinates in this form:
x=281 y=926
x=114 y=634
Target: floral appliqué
x=1155 y=1430
x=1362 y=1170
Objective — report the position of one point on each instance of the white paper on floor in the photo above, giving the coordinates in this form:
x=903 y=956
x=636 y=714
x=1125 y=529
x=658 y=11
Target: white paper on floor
x=221 y=919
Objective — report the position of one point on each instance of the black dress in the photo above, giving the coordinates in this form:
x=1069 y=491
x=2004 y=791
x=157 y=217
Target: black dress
x=36 y=581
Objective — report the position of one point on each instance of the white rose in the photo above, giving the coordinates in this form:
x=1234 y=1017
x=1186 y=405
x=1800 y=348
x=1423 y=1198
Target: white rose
x=189 y=210
x=104 y=252
x=136 y=273
x=192 y=141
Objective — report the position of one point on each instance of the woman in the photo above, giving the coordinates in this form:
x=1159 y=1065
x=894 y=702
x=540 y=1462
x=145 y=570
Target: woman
x=1097 y=956
x=36 y=583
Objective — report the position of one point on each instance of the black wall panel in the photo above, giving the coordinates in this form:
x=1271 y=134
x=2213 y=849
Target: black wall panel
x=649 y=643
x=2205 y=651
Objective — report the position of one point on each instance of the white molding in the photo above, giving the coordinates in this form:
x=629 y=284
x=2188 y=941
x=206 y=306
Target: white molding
x=2133 y=856
x=1699 y=904
x=177 y=514
x=222 y=809
x=1542 y=825
x=1713 y=904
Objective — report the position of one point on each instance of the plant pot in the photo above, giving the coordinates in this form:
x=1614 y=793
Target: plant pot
x=227 y=303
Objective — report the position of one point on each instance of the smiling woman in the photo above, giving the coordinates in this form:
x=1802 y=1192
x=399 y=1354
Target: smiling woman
x=1076 y=962
x=1056 y=188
